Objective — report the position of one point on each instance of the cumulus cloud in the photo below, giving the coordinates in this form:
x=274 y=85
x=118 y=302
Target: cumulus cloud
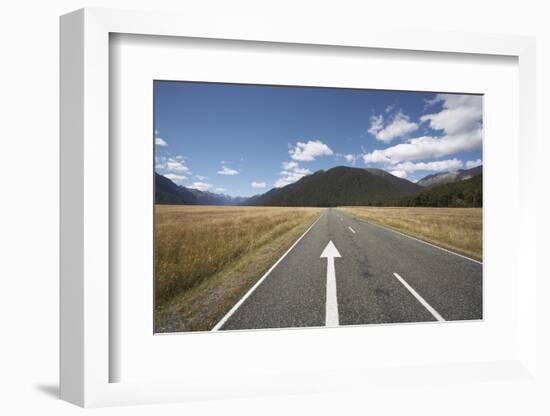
x=437 y=166
x=460 y=120
x=175 y=178
x=289 y=165
x=399 y=126
x=200 y=177
x=160 y=162
x=461 y=114
x=291 y=173
x=306 y=152
x=257 y=185
x=376 y=124
x=160 y=142
x=174 y=165
x=171 y=164
x=350 y=158
x=399 y=173
x=228 y=171
x=201 y=186
x=473 y=163
x=426 y=147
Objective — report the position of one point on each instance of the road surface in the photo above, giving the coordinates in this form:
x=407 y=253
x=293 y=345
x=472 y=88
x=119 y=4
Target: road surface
x=346 y=271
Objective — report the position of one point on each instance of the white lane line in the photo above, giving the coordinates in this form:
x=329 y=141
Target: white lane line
x=351 y=229
x=259 y=282
x=420 y=241
x=331 y=310
x=435 y=314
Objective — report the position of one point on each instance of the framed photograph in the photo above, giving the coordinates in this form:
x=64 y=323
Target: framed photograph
x=381 y=184
x=319 y=198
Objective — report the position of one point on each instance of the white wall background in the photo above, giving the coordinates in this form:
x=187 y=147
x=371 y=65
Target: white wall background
x=29 y=207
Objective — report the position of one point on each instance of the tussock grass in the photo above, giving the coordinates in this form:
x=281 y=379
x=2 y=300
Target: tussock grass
x=458 y=229
x=207 y=257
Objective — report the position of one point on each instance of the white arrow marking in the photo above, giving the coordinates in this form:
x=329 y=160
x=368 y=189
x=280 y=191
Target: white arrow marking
x=331 y=317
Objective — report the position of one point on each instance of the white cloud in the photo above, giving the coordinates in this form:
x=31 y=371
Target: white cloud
x=160 y=162
x=289 y=165
x=160 y=142
x=228 y=171
x=425 y=147
x=350 y=158
x=461 y=122
x=201 y=186
x=306 y=152
x=437 y=166
x=301 y=171
x=376 y=124
x=399 y=173
x=460 y=114
x=174 y=165
x=399 y=126
x=219 y=190
x=287 y=178
x=473 y=163
x=258 y=185
x=200 y=177
x=170 y=164
x=291 y=173
x=175 y=178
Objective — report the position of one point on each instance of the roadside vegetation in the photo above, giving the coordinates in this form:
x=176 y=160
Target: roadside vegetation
x=457 y=229
x=462 y=194
x=207 y=257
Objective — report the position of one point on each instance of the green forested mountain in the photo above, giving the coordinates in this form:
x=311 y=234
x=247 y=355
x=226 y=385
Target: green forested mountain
x=339 y=186
x=466 y=193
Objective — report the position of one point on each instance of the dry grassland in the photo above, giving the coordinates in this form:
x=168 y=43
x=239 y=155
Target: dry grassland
x=207 y=257
x=458 y=229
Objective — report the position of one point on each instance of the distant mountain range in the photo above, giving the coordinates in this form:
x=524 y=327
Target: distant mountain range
x=343 y=185
x=443 y=178
x=167 y=192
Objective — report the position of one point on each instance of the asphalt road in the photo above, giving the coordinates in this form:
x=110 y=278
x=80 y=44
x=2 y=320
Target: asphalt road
x=381 y=277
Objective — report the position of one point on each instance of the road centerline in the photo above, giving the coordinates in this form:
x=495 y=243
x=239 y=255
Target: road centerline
x=435 y=314
x=351 y=229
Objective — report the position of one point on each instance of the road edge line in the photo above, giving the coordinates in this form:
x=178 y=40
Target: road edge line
x=417 y=239
x=419 y=298
x=228 y=315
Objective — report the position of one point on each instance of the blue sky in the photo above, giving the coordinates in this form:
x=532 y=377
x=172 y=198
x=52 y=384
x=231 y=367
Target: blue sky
x=246 y=139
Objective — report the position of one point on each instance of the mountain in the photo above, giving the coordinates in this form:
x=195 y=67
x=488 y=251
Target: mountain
x=461 y=194
x=449 y=177
x=338 y=186
x=167 y=192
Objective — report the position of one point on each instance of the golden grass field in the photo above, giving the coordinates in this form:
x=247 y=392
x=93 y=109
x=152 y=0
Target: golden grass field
x=207 y=257
x=458 y=229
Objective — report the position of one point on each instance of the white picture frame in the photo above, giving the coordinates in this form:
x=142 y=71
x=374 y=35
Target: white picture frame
x=85 y=210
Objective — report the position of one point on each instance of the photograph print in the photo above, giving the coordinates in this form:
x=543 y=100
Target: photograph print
x=307 y=207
